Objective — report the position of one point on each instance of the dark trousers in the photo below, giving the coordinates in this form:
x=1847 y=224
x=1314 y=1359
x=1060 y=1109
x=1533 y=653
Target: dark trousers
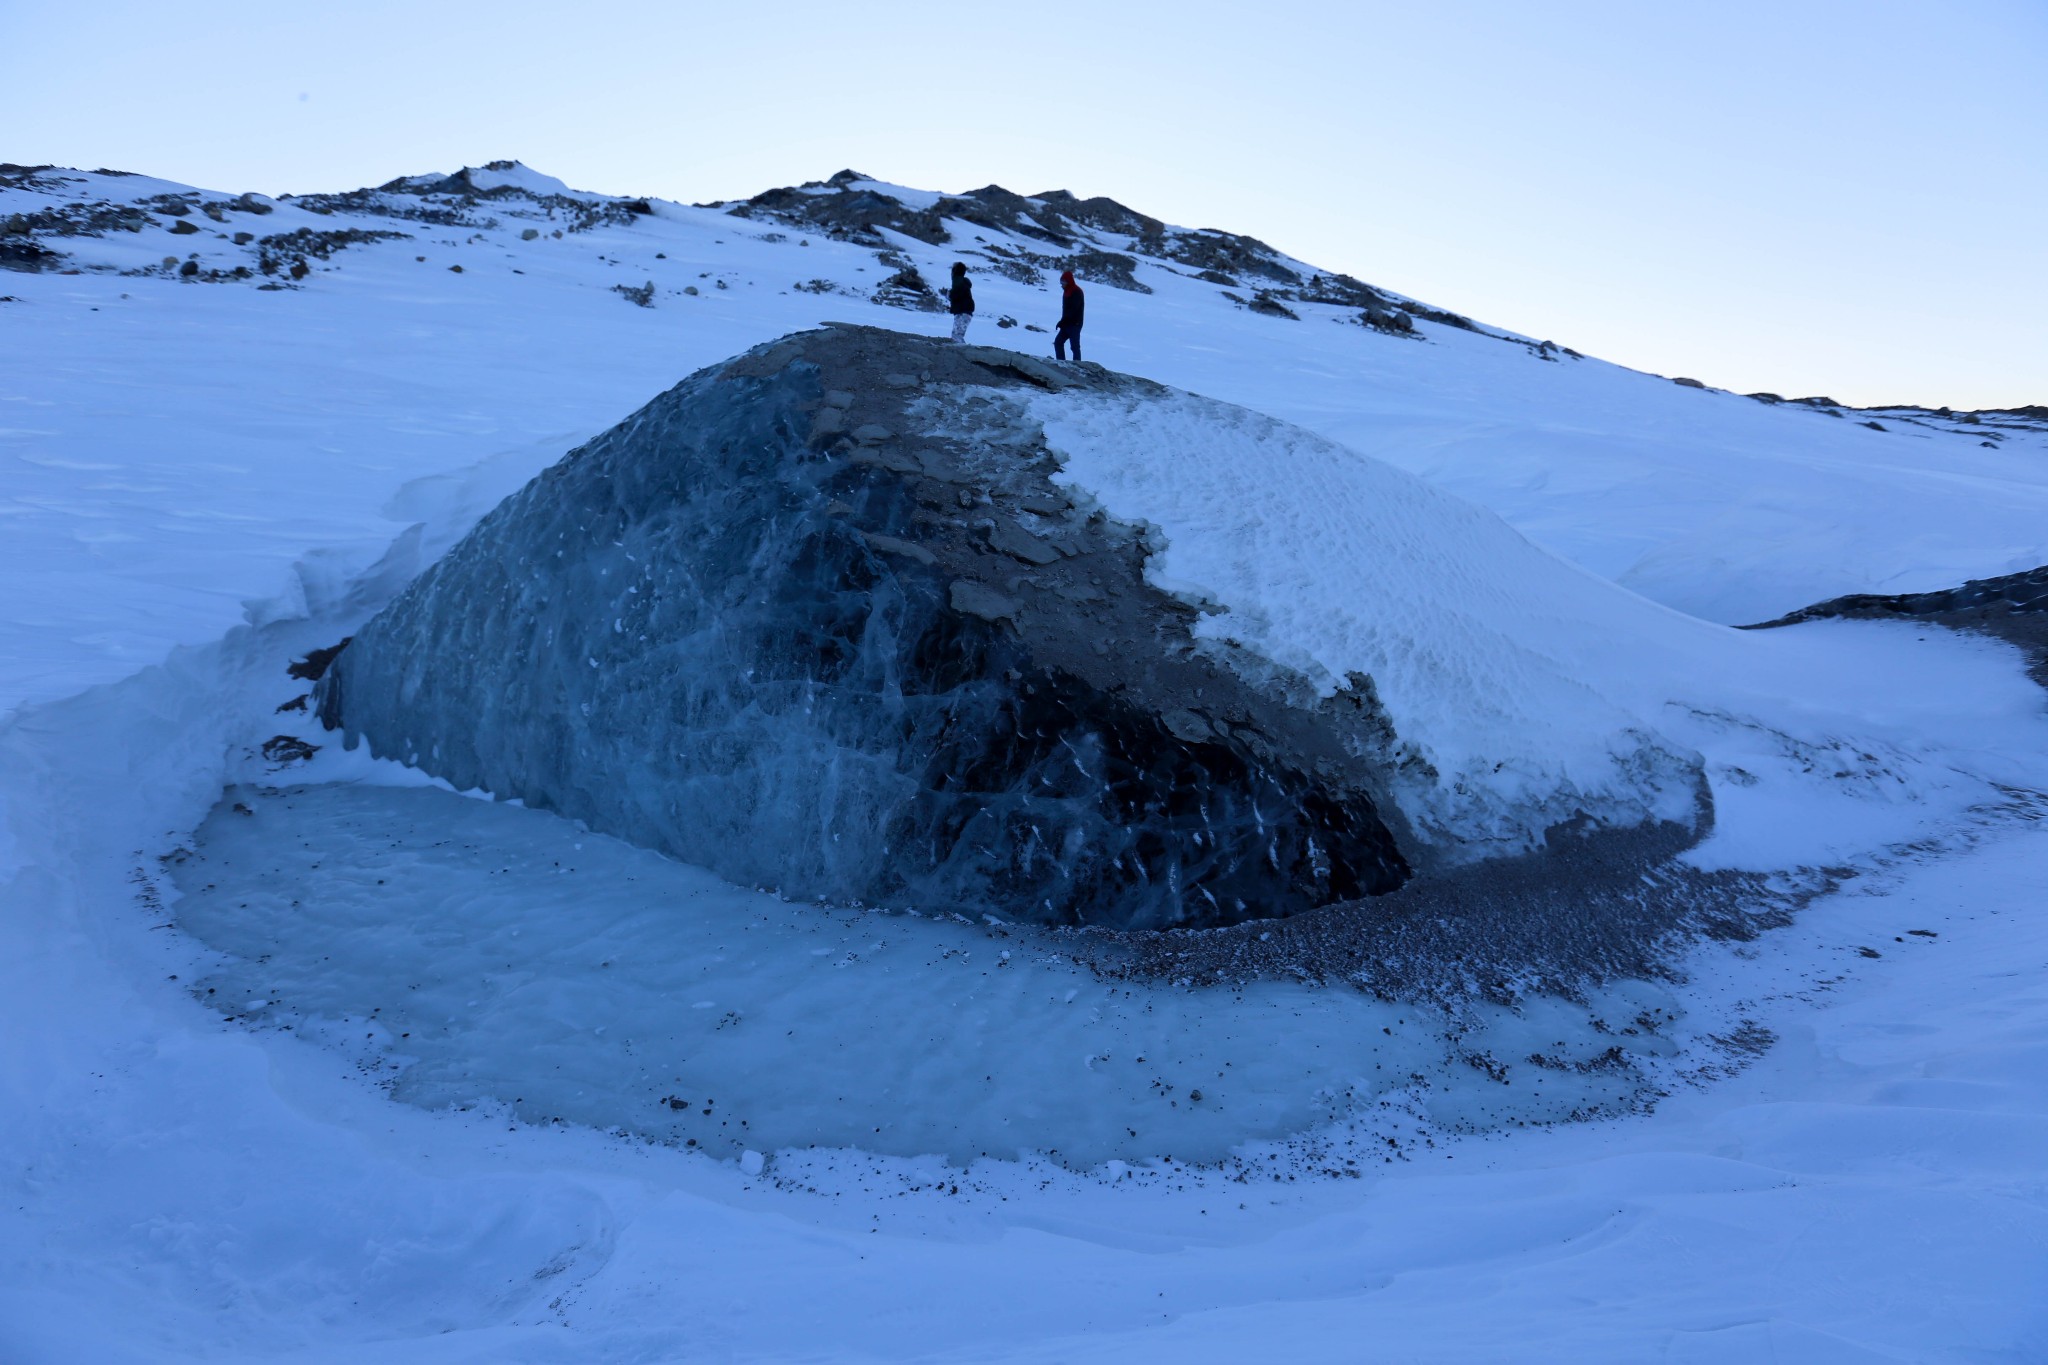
x=1062 y=337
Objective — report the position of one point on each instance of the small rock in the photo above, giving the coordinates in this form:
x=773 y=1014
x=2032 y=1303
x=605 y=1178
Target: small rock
x=691 y=290
x=870 y=433
x=176 y=208
x=752 y=1162
x=288 y=749
x=1689 y=383
x=455 y=270
x=189 y=269
x=529 y=234
x=244 y=238
x=899 y=381
x=1014 y=540
x=889 y=545
x=214 y=211
x=837 y=398
x=1877 y=426
x=249 y=203
x=973 y=599
x=183 y=228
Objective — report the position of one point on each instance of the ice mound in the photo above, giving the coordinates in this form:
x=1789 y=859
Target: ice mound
x=867 y=617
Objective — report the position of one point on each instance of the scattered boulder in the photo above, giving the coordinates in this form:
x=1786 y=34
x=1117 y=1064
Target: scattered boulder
x=1689 y=383
x=288 y=749
x=907 y=289
x=1265 y=303
x=28 y=256
x=184 y=228
x=642 y=294
x=1444 y=318
x=316 y=663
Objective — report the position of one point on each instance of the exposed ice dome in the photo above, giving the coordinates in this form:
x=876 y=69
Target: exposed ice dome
x=823 y=620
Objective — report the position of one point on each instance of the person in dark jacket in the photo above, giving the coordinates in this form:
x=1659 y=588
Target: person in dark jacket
x=961 y=296
x=1072 y=303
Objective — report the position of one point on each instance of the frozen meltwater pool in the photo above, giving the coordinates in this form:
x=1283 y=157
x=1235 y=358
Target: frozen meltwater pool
x=475 y=952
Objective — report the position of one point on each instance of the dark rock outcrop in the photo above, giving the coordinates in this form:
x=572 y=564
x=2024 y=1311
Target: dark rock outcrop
x=2013 y=607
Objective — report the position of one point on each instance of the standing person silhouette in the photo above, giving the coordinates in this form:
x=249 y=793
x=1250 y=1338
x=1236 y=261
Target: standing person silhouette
x=1072 y=303
x=961 y=297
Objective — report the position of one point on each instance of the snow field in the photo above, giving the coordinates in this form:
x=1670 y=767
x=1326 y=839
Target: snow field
x=177 y=1187
x=1867 y=1190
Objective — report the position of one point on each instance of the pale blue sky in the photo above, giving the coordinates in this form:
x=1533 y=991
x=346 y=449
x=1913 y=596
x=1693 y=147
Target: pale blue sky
x=1803 y=196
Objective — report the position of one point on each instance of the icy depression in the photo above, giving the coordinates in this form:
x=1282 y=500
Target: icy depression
x=866 y=617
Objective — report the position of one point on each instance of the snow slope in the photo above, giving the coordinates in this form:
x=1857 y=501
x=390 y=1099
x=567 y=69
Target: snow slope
x=142 y=394
x=204 y=479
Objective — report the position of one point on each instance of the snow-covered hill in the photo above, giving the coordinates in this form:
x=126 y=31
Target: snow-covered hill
x=218 y=967
x=444 y=319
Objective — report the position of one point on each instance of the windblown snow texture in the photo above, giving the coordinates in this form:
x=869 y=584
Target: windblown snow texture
x=821 y=620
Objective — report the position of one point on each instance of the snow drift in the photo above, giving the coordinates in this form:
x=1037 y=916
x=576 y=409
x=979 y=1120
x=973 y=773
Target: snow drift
x=850 y=617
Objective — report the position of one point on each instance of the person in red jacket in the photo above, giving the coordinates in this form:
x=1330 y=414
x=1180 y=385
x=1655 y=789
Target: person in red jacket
x=1072 y=302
